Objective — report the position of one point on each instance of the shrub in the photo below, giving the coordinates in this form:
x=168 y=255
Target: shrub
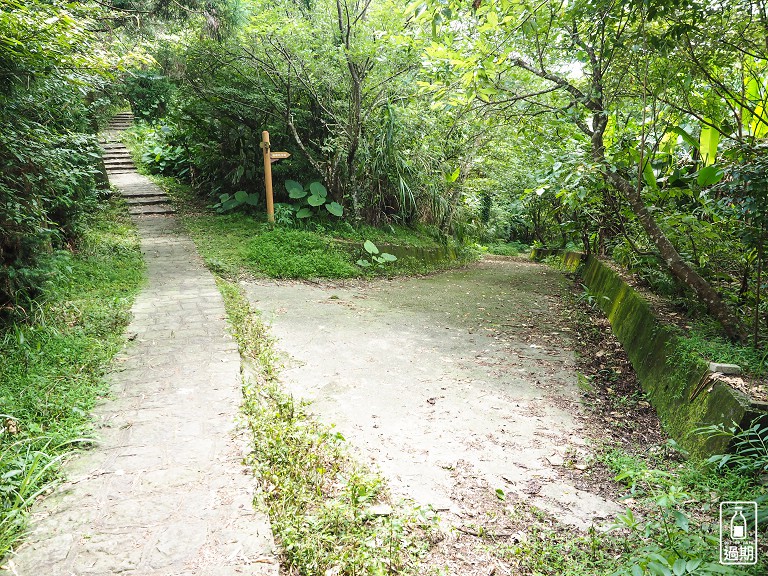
x=47 y=184
x=149 y=93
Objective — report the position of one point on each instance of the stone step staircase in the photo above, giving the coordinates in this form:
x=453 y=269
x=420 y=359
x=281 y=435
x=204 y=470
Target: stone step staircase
x=121 y=121
x=143 y=197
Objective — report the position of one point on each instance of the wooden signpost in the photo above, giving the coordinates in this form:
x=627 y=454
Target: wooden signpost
x=270 y=157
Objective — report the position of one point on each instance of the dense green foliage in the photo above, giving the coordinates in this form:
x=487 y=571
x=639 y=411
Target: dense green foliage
x=667 y=528
x=69 y=264
x=622 y=129
x=339 y=94
x=48 y=159
x=52 y=368
x=59 y=62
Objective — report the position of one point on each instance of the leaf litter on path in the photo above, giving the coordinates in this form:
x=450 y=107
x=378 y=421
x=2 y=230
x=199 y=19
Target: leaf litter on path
x=488 y=382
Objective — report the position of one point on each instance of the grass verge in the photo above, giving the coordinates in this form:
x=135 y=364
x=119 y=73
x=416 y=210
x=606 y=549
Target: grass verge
x=329 y=514
x=513 y=248
x=705 y=339
x=52 y=365
x=670 y=526
x=238 y=244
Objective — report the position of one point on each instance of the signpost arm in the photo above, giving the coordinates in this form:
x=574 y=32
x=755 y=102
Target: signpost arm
x=268 y=177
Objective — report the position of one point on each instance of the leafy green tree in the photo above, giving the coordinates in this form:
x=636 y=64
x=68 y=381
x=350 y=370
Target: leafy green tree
x=335 y=84
x=592 y=63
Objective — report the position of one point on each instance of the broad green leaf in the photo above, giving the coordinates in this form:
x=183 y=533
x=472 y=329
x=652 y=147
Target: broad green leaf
x=709 y=175
x=649 y=176
x=241 y=196
x=363 y=263
x=759 y=126
x=388 y=257
x=679 y=567
x=752 y=93
x=318 y=189
x=370 y=247
x=252 y=200
x=668 y=143
x=295 y=190
x=304 y=213
x=315 y=200
x=690 y=140
x=492 y=20
x=756 y=94
x=637 y=570
x=708 y=141
x=335 y=208
x=691 y=565
x=659 y=569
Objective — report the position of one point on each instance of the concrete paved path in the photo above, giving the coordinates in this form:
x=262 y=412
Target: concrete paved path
x=165 y=492
x=462 y=374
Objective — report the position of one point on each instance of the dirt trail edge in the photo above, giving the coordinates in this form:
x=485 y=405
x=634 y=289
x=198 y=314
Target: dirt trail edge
x=164 y=493
x=463 y=374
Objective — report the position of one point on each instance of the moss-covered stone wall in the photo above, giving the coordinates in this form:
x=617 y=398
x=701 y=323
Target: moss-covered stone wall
x=677 y=384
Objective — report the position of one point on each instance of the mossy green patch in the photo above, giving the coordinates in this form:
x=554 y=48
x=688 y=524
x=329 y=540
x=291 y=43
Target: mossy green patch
x=298 y=254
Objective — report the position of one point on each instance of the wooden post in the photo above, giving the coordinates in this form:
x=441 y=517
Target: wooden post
x=268 y=177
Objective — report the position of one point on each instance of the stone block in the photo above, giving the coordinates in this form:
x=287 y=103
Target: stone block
x=727 y=369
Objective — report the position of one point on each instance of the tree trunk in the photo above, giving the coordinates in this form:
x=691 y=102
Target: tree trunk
x=353 y=132
x=674 y=262
x=676 y=265
x=756 y=333
x=593 y=101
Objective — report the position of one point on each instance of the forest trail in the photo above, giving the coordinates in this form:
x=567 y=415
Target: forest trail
x=447 y=383
x=164 y=492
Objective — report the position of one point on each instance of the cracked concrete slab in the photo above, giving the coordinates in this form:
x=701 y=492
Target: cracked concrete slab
x=426 y=375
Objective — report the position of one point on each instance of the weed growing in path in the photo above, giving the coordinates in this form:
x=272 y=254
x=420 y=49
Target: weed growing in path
x=52 y=365
x=329 y=514
x=556 y=550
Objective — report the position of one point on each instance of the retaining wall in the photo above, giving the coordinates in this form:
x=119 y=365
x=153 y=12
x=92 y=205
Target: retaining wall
x=678 y=386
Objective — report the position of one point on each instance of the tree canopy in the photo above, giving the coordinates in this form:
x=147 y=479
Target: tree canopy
x=629 y=129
